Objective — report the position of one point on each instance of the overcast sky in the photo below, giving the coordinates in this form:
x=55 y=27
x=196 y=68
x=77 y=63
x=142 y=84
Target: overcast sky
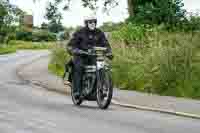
x=76 y=14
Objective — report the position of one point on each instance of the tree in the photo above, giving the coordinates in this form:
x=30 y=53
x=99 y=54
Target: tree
x=9 y=12
x=158 y=11
x=131 y=7
x=3 y=13
x=92 y=4
x=9 y=15
x=54 y=17
x=169 y=12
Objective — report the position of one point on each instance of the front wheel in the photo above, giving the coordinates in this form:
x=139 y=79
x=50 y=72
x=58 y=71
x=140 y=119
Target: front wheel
x=104 y=89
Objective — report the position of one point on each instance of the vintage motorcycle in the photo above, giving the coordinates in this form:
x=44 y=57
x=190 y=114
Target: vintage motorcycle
x=96 y=80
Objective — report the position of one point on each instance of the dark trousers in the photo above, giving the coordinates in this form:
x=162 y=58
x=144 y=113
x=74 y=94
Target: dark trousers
x=78 y=69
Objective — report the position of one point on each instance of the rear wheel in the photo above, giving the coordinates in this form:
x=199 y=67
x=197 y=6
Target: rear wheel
x=104 y=89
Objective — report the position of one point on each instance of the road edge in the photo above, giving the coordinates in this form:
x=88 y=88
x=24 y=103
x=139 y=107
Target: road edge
x=114 y=101
x=35 y=83
x=164 y=111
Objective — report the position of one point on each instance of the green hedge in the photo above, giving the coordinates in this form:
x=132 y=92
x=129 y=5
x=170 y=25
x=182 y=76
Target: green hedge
x=25 y=36
x=35 y=36
x=43 y=36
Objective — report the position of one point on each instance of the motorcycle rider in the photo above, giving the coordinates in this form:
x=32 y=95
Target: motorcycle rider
x=82 y=40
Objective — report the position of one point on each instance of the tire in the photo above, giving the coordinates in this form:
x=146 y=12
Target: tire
x=104 y=82
x=76 y=102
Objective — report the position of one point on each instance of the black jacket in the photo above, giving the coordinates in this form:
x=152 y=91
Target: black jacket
x=85 y=39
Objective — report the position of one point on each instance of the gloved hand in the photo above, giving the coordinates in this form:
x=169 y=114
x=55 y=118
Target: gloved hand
x=78 y=51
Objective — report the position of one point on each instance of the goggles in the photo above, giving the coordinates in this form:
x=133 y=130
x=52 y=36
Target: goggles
x=92 y=21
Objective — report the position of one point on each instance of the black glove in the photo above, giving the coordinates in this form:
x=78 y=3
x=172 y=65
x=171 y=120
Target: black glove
x=79 y=52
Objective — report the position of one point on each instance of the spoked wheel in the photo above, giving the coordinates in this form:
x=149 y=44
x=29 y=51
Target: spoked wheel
x=75 y=100
x=104 y=89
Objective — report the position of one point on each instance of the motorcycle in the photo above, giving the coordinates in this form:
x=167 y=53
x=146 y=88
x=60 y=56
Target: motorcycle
x=96 y=80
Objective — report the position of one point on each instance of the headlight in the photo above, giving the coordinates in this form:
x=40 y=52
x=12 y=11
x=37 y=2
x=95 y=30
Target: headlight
x=100 y=64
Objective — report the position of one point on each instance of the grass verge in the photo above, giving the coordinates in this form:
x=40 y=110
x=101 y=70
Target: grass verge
x=13 y=46
x=7 y=50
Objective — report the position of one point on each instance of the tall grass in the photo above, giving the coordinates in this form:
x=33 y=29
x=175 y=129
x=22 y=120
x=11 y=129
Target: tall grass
x=58 y=59
x=166 y=64
x=150 y=60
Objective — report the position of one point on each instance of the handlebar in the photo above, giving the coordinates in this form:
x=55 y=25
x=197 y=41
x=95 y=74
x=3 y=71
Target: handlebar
x=93 y=52
x=79 y=52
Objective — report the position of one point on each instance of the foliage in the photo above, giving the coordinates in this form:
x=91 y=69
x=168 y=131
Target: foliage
x=155 y=51
x=24 y=35
x=12 y=46
x=43 y=36
x=143 y=11
x=44 y=26
x=110 y=26
x=59 y=57
x=3 y=14
x=6 y=50
x=169 y=12
x=130 y=33
x=92 y=4
x=37 y=36
x=54 y=17
x=55 y=27
x=9 y=14
x=167 y=64
x=31 y=45
x=191 y=24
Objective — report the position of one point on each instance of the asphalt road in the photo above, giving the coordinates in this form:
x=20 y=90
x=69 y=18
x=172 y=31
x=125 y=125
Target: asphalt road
x=25 y=108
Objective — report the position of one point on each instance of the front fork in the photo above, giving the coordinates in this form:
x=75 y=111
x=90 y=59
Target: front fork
x=88 y=83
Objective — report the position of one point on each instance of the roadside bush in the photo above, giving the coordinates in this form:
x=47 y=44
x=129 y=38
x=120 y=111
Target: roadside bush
x=43 y=36
x=35 y=36
x=2 y=37
x=59 y=57
x=23 y=35
x=110 y=26
x=130 y=33
x=11 y=36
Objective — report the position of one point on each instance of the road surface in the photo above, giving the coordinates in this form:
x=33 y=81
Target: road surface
x=25 y=108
